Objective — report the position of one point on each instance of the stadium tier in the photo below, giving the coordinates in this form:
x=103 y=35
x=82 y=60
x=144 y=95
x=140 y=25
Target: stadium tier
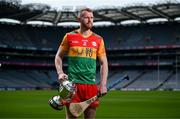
x=26 y=36
x=148 y=53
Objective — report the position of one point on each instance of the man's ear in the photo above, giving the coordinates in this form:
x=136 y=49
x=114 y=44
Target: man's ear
x=78 y=19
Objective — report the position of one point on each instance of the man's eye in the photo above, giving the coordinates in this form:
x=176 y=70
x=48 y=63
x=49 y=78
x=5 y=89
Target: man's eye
x=88 y=17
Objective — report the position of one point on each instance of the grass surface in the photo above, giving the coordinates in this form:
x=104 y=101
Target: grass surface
x=116 y=104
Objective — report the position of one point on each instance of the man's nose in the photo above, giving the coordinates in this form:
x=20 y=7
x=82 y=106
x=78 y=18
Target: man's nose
x=90 y=19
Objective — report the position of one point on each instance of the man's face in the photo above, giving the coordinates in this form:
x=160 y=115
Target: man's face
x=86 y=19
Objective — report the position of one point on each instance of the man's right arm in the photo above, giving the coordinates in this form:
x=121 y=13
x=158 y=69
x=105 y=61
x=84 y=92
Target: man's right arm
x=64 y=47
x=59 y=64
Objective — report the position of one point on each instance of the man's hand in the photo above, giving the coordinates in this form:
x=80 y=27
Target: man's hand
x=102 y=90
x=62 y=76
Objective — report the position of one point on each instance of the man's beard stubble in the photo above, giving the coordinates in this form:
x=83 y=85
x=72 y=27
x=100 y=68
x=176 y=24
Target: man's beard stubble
x=88 y=25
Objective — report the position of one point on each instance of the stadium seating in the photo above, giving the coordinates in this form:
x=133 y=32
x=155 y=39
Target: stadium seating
x=27 y=79
x=114 y=36
x=148 y=53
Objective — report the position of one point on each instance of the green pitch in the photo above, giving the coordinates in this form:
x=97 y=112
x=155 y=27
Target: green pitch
x=116 y=104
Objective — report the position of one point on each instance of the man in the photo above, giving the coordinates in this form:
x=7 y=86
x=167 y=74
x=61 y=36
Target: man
x=82 y=47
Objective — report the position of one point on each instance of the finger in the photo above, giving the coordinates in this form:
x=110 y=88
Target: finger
x=65 y=76
x=101 y=94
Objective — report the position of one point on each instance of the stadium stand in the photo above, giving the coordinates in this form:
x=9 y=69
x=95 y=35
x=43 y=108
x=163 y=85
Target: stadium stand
x=147 y=52
x=116 y=36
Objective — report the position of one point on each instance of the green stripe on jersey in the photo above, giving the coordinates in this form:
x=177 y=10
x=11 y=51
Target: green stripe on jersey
x=82 y=70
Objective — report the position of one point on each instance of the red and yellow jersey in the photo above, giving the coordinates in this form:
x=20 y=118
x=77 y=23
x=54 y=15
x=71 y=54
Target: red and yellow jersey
x=82 y=53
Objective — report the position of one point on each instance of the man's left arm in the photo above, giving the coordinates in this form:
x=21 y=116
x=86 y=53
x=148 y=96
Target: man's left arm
x=104 y=74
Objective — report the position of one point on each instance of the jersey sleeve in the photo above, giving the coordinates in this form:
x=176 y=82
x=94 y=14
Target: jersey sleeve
x=64 y=44
x=101 y=49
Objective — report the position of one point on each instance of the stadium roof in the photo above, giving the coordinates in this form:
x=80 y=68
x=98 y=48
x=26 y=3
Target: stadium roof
x=115 y=15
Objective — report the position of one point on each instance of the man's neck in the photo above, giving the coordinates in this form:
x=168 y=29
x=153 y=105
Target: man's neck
x=85 y=32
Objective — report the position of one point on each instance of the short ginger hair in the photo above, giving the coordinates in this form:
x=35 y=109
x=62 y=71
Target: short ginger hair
x=84 y=9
